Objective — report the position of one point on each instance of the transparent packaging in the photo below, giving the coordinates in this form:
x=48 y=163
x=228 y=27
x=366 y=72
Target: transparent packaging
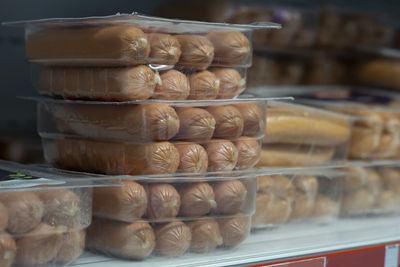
x=376 y=132
x=292 y=195
x=371 y=190
x=139 y=82
x=299 y=135
x=133 y=39
x=43 y=216
x=153 y=120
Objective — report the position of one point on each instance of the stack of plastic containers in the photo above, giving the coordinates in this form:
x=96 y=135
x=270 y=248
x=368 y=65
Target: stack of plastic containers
x=42 y=220
x=154 y=100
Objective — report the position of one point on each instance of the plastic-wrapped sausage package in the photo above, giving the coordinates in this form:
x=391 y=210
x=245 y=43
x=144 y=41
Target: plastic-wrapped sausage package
x=43 y=216
x=298 y=135
x=371 y=189
x=133 y=57
x=172 y=214
x=296 y=195
x=152 y=137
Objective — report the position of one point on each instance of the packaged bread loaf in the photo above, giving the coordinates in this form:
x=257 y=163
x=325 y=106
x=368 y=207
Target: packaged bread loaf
x=121 y=44
x=136 y=123
x=108 y=157
x=103 y=84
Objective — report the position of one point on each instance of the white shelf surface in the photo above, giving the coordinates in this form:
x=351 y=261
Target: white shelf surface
x=290 y=241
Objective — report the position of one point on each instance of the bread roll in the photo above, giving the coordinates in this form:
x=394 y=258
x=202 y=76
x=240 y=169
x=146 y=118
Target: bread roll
x=380 y=72
x=262 y=202
x=104 y=84
x=231 y=48
x=231 y=83
x=25 y=211
x=197 y=52
x=121 y=45
x=355 y=180
x=302 y=206
x=299 y=129
x=222 y=155
x=197 y=199
x=357 y=202
x=40 y=246
x=163 y=201
x=363 y=142
x=325 y=208
x=229 y=121
x=173 y=239
x=287 y=155
x=164 y=49
x=277 y=185
x=62 y=208
x=193 y=158
x=277 y=211
x=249 y=152
x=307 y=185
x=253 y=118
x=142 y=122
x=388 y=203
x=114 y=157
x=391 y=179
x=133 y=241
x=196 y=124
x=174 y=86
x=124 y=203
x=8 y=250
x=72 y=247
x=203 y=85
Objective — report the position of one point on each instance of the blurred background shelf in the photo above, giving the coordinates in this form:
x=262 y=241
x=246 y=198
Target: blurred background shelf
x=294 y=241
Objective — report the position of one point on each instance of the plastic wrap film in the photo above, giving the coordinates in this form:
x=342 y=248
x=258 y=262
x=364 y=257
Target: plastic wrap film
x=298 y=135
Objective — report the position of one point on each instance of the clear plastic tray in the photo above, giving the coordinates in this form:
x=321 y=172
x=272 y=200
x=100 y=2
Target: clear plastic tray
x=299 y=135
x=297 y=195
x=43 y=215
x=138 y=82
x=132 y=39
x=139 y=240
x=153 y=120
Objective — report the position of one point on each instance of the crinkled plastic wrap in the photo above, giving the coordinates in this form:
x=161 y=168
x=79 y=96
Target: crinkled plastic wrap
x=298 y=135
x=297 y=195
x=132 y=39
x=139 y=82
x=43 y=219
x=371 y=190
x=144 y=121
x=172 y=214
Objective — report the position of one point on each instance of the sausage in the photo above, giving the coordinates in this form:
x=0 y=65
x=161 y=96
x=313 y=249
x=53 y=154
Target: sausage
x=253 y=119
x=193 y=158
x=62 y=207
x=40 y=246
x=197 y=52
x=124 y=203
x=163 y=201
x=231 y=48
x=164 y=49
x=230 y=196
x=196 y=124
x=231 y=83
x=3 y=217
x=8 y=250
x=203 y=85
x=249 y=151
x=222 y=155
x=173 y=238
x=205 y=235
x=103 y=84
x=128 y=240
x=234 y=230
x=121 y=45
x=142 y=122
x=197 y=199
x=113 y=157
x=229 y=122
x=174 y=86
x=25 y=211
x=73 y=244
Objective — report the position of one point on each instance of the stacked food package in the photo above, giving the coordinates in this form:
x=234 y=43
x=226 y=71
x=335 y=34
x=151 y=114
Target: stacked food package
x=154 y=101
